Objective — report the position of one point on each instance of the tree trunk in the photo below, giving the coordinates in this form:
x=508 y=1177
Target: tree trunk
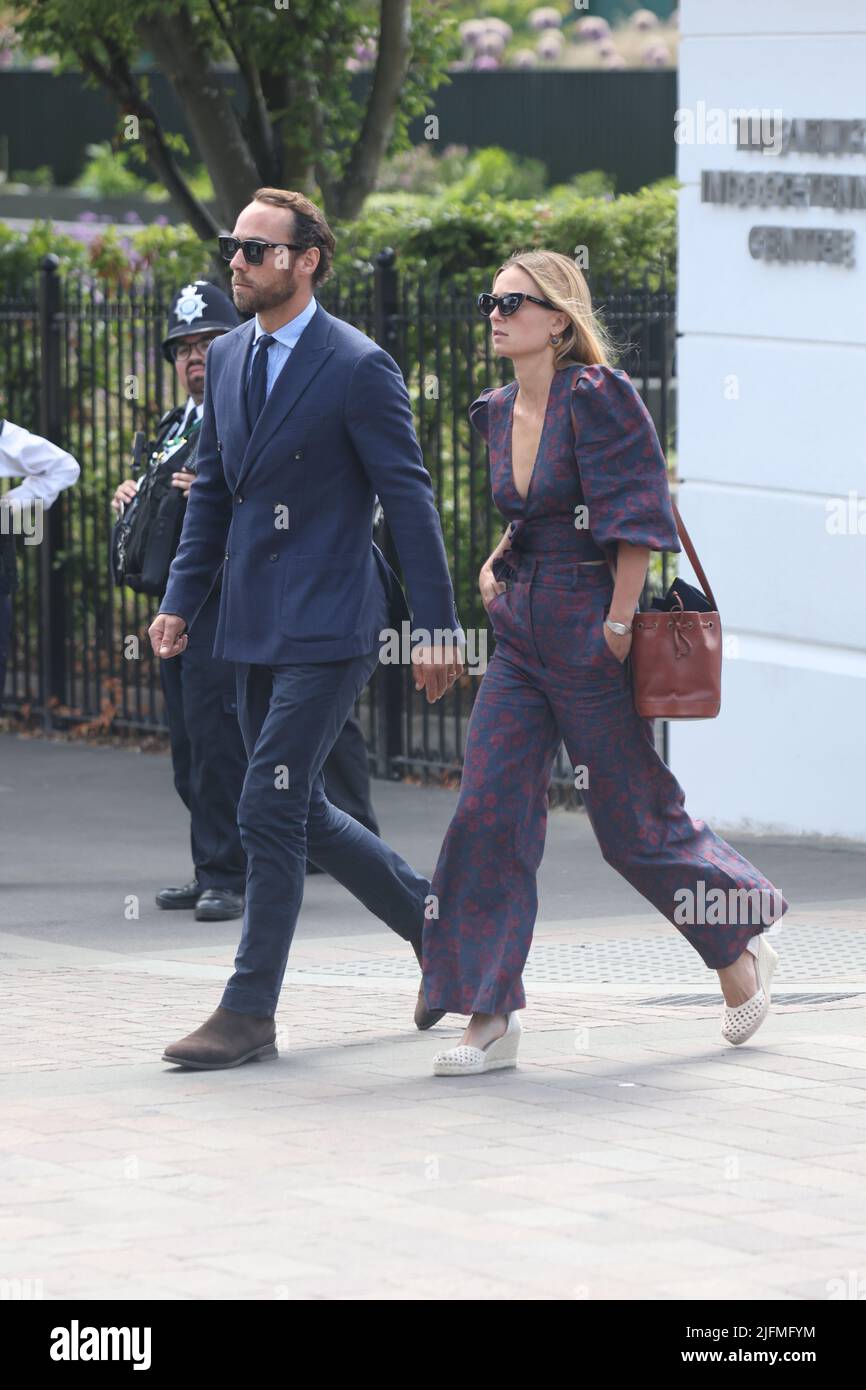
x=117 y=78
x=392 y=65
x=207 y=106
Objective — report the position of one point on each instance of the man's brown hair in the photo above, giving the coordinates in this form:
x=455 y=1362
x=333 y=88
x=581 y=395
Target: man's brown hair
x=311 y=229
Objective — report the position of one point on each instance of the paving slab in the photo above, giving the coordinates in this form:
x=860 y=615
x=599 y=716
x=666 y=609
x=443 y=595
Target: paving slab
x=631 y=1155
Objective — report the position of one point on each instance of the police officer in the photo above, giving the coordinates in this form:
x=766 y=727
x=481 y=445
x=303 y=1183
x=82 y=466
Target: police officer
x=207 y=750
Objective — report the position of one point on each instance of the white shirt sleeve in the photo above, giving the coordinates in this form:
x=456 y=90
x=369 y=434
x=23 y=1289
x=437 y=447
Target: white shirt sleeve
x=45 y=469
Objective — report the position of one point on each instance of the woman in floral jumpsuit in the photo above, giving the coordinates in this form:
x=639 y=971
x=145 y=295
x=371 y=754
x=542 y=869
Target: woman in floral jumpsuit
x=598 y=489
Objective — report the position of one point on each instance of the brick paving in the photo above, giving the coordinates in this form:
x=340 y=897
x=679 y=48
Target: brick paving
x=632 y=1154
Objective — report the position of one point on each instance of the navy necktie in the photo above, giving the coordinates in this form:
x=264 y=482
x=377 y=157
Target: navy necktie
x=257 y=387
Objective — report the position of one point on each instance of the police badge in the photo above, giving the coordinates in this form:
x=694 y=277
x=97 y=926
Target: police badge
x=190 y=304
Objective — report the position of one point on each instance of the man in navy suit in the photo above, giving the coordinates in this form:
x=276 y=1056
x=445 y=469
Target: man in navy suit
x=305 y=421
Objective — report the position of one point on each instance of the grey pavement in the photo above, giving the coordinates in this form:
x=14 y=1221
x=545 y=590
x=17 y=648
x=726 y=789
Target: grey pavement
x=632 y=1154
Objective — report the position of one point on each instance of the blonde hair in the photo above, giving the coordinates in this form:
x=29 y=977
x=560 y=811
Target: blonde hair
x=584 y=338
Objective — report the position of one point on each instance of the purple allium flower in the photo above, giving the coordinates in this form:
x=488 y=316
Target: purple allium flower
x=644 y=19
x=549 y=45
x=546 y=17
x=499 y=26
x=612 y=62
x=471 y=31
x=655 y=55
x=486 y=62
x=524 y=58
x=490 y=43
x=591 y=29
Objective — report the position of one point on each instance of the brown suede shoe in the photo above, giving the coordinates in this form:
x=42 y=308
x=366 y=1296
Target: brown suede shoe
x=225 y=1040
x=424 y=1017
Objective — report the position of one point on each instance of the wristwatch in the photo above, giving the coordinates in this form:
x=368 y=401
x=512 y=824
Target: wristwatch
x=621 y=629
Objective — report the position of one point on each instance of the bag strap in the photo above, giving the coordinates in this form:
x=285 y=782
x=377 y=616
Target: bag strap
x=693 y=556
x=690 y=551
x=684 y=537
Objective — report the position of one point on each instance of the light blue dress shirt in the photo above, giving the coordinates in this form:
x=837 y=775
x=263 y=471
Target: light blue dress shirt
x=286 y=337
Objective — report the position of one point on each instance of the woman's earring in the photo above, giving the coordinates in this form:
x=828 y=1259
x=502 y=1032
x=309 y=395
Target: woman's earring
x=555 y=338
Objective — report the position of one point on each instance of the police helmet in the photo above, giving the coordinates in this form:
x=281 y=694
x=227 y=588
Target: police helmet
x=199 y=308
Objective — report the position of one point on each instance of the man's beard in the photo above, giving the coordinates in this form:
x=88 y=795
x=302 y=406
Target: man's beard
x=252 y=300
x=195 y=387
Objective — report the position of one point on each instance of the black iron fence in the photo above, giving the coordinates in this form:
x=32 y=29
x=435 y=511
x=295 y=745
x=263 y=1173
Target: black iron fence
x=82 y=366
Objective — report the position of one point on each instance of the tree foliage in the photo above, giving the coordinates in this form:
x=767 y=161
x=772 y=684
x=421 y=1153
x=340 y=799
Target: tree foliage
x=298 y=123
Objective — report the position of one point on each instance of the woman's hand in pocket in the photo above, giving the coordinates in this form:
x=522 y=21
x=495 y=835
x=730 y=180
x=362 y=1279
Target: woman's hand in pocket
x=619 y=645
x=489 y=586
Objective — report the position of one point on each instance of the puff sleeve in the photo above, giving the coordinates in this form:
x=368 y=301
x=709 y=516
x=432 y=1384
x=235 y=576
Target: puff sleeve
x=478 y=411
x=622 y=468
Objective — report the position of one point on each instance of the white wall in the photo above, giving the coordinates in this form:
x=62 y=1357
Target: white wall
x=772 y=424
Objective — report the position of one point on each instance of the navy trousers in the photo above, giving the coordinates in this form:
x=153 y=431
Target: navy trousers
x=347 y=775
x=290 y=717
x=207 y=751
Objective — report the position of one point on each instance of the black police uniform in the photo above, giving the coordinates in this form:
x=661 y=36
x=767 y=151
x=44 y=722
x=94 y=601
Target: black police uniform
x=207 y=748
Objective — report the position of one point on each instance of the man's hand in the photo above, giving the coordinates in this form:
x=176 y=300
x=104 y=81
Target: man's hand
x=124 y=494
x=436 y=669
x=167 y=636
x=183 y=479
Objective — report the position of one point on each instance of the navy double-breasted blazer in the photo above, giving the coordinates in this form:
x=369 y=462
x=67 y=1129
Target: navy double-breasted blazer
x=287 y=510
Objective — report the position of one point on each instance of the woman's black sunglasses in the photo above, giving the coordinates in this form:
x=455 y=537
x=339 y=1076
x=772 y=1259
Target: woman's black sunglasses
x=508 y=303
x=254 y=251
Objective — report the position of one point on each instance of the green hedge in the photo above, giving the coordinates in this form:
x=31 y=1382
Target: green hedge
x=461 y=229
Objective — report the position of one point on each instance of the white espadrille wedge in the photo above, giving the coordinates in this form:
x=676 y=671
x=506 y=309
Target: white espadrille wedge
x=468 y=1061
x=741 y=1023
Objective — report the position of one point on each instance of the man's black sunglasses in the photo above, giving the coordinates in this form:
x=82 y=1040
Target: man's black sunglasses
x=508 y=303
x=254 y=251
